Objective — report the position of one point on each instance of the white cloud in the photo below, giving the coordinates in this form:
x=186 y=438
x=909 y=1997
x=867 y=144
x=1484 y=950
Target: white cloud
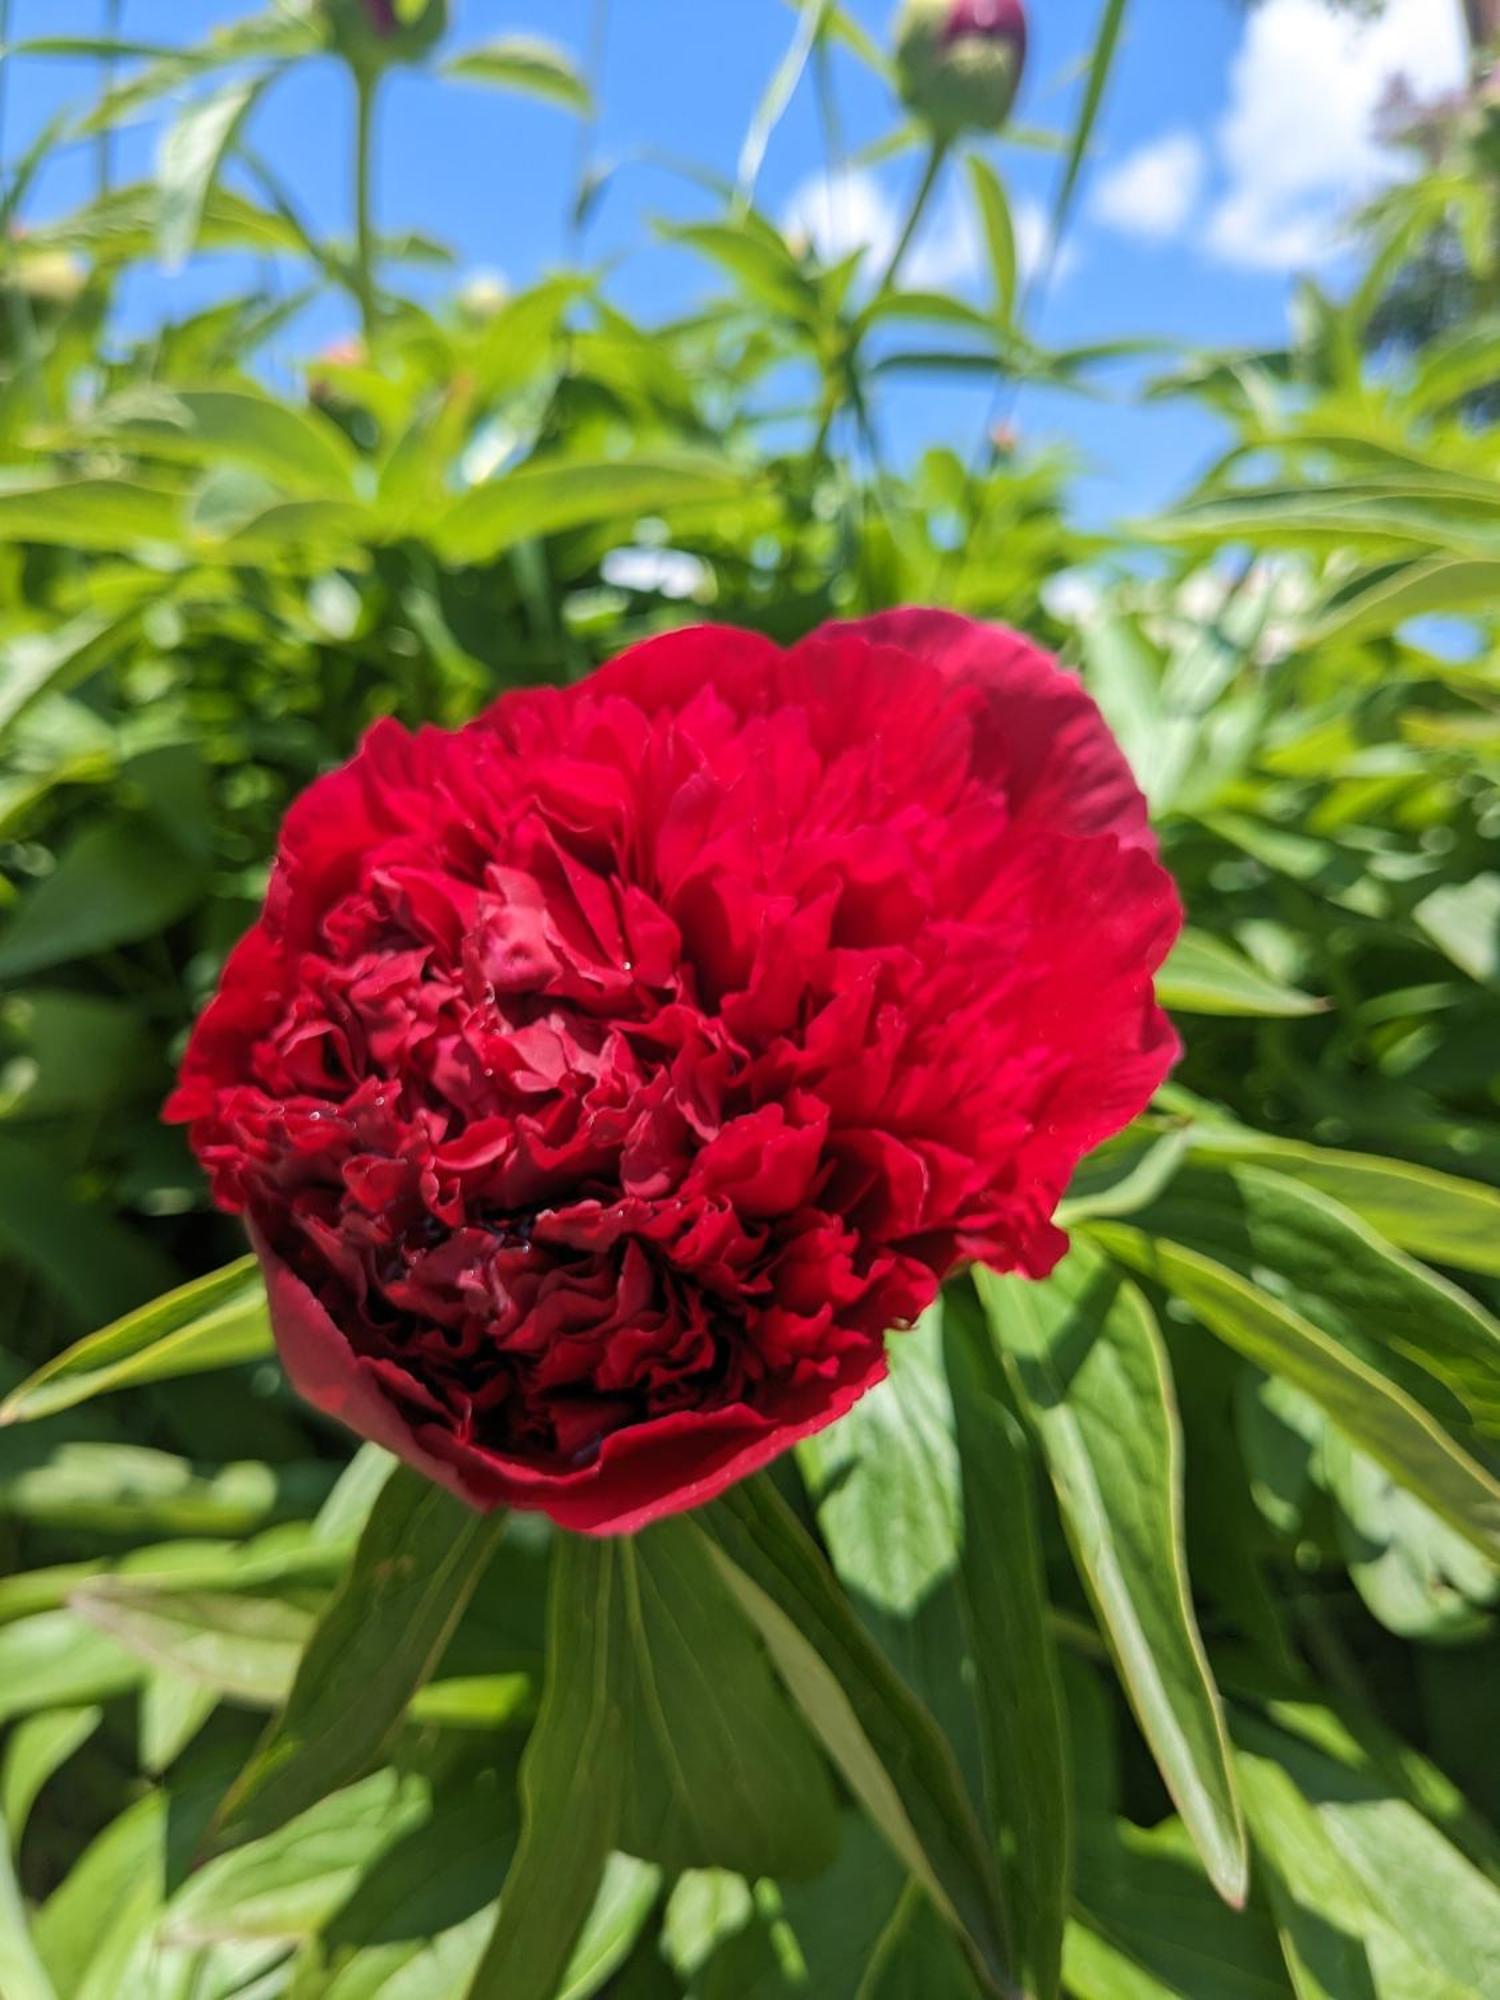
x=668 y=572
x=1152 y=191
x=1298 y=140
x=841 y=213
x=1033 y=229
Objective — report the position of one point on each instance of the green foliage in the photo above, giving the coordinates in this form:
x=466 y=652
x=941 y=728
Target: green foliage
x=1139 y=1636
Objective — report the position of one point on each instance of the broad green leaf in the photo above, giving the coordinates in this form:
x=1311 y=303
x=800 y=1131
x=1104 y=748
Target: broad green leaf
x=1088 y=1360
x=917 y=1957
x=627 y=1895
x=1123 y=1175
x=1443 y=584
x=38 y=1748
x=1205 y=976
x=1369 y=1896
x=54 y=1660
x=1339 y=1273
x=214 y=1322
x=377 y=1642
x=1376 y=1414
x=891 y=1754
x=571 y=1791
x=1149 y=1927
x=172 y=1711
x=524 y=63
x=22 y=1973
x=113 y=885
x=289 y=1883
x=759 y=260
x=282 y=1555
x=1418 y=1577
x=415 y=1925
x=1463 y=920
x=247 y=1645
x=885 y=1483
x=1016 y=1678
x=298 y=448
x=193 y=149
x=243 y=1645
x=1434 y=1215
x=34 y=664
x=134 y=1489
x=102 y=514
x=549 y=499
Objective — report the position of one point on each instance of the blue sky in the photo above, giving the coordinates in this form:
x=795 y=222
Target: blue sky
x=1230 y=144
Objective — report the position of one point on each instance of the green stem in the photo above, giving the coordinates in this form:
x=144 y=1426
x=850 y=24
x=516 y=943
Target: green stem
x=366 y=84
x=930 y=173
x=104 y=143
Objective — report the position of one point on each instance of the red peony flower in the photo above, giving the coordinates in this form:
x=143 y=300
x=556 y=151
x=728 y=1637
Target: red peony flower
x=603 y=1080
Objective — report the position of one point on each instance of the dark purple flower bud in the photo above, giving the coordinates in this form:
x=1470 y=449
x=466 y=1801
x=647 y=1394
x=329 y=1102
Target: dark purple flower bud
x=959 y=62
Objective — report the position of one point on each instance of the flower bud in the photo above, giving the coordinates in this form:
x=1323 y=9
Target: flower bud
x=959 y=62
x=372 y=33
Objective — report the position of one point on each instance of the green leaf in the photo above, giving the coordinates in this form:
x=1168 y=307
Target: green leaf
x=1337 y=1272
x=214 y=1322
x=571 y=1790
x=759 y=260
x=113 y=884
x=999 y=233
x=298 y=448
x=1385 y=600
x=55 y=1661
x=1088 y=1361
x=525 y=63
x=1434 y=1215
x=1017 y=1682
x=1380 y=1417
x=1371 y=1900
x=22 y=1974
x=288 y=1883
x=549 y=499
x=1419 y=1578
x=132 y=1489
x=193 y=150
x=38 y=1748
x=1150 y=1927
x=419 y=1561
x=892 y=1756
x=34 y=664
x=885 y=1483
x=103 y=514
x=1463 y=921
x=917 y=1957
x=1203 y=975
x=1101 y=65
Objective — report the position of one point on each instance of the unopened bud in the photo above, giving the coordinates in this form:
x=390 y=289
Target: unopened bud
x=959 y=62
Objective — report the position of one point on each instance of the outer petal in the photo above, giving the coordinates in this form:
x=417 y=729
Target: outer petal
x=654 y=1469
x=1045 y=741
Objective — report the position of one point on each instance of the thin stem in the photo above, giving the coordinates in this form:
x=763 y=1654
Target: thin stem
x=104 y=165
x=588 y=127
x=936 y=157
x=366 y=85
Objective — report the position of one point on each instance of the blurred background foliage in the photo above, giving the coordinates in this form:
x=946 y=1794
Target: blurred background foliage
x=213 y=578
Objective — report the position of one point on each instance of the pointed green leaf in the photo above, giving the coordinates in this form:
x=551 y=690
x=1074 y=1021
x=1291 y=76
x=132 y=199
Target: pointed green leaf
x=1088 y=1360
x=1016 y=1677
x=214 y=1322
x=1205 y=976
x=891 y=1753
x=376 y=1644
